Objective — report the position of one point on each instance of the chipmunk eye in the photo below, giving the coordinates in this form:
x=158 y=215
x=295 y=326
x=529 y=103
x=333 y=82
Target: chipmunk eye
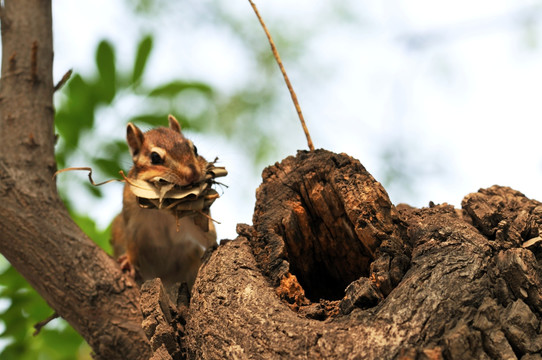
x=195 y=150
x=156 y=159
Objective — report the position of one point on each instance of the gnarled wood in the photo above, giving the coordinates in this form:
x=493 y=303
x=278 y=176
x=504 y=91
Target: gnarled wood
x=436 y=285
x=330 y=269
x=77 y=279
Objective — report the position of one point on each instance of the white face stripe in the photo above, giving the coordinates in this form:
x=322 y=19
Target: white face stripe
x=159 y=151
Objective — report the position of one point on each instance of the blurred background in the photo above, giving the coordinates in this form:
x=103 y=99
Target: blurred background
x=436 y=99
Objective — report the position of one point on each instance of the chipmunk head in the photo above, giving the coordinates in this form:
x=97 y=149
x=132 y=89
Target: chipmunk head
x=164 y=154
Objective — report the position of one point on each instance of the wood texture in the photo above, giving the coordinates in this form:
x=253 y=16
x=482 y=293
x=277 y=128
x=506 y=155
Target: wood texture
x=430 y=283
x=330 y=268
x=77 y=279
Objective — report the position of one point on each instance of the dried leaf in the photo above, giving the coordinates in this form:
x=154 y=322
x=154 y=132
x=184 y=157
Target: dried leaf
x=181 y=201
x=194 y=199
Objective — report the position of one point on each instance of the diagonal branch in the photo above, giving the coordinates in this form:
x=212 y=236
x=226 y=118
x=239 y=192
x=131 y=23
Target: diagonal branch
x=77 y=279
x=286 y=78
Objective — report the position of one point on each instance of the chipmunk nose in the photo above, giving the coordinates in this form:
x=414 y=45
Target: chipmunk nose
x=192 y=174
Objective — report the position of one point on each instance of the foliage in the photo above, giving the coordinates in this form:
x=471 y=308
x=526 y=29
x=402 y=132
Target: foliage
x=91 y=113
x=93 y=109
x=76 y=117
x=24 y=308
x=84 y=97
x=80 y=104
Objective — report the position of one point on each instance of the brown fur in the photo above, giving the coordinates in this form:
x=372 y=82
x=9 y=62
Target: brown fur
x=149 y=237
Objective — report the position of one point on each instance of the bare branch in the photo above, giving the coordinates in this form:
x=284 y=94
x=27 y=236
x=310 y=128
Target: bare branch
x=64 y=80
x=286 y=79
x=83 y=284
x=44 y=322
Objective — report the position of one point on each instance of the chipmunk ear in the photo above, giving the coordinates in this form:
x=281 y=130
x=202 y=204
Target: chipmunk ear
x=174 y=124
x=135 y=138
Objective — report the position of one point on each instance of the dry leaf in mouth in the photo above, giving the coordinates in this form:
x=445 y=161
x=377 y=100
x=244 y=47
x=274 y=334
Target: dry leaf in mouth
x=162 y=194
x=191 y=200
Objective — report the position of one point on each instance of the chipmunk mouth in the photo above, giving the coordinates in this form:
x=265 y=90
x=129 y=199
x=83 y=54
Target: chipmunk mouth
x=162 y=192
x=171 y=181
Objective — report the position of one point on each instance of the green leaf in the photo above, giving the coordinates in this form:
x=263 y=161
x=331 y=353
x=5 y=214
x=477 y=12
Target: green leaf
x=152 y=119
x=109 y=166
x=94 y=190
x=175 y=87
x=143 y=51
x=105 y=61
x=118 y=150
x=100 y=237
x=77 y=113
x=63 y=344
x=26 y=308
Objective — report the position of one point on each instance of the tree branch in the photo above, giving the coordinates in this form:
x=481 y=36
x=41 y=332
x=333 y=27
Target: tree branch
x=285 y=75
x=440 y=283
x=77 y=279
x=41 y=324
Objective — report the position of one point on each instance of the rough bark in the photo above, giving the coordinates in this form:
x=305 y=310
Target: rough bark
x=82 y=283
x=332 y=270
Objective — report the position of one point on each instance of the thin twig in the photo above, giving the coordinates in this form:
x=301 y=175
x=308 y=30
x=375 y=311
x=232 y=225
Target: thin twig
x=290 y=88
x=89 y=175
x=208 y=217
x=64 y=80
x=44 y=322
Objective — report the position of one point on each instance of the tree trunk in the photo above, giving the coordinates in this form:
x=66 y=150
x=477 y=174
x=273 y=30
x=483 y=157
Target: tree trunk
x=332 y=270
x=82 y=283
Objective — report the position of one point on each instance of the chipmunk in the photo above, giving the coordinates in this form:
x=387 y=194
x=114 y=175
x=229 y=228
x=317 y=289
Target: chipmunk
x=152 y=243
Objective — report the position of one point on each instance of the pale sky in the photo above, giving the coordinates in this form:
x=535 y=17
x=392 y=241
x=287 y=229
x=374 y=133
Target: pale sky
x=455 y=84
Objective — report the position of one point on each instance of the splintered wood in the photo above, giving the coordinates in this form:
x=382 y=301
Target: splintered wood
x=328 y=217
x=332 y=270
